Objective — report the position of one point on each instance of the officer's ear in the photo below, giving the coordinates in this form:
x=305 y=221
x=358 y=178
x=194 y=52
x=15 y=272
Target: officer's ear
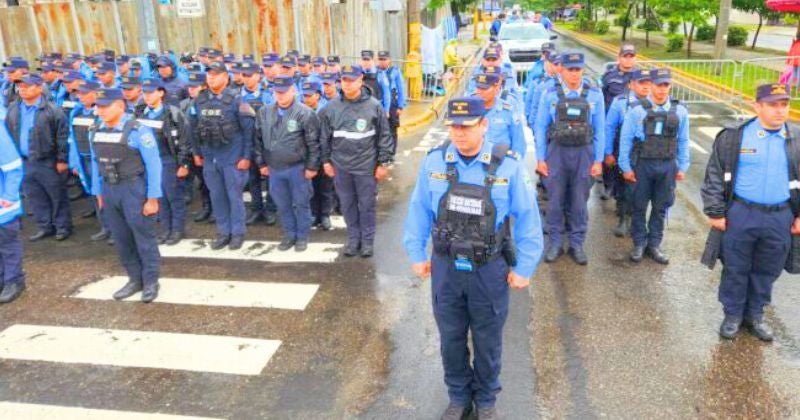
x=483 y=123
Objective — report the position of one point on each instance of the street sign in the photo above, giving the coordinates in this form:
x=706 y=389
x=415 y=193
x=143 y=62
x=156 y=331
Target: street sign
x=190 y=8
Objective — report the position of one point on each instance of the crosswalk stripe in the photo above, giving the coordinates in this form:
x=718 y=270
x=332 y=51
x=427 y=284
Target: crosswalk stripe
x=700 y=116
x=697 y=147
x=243 y=294
x=12 y=410
x=142 y=349
x=421 y=149
x=710 y=132
x=253 y=251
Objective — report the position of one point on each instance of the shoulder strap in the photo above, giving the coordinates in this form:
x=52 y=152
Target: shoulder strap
x=792 y=155
x=646 y=104
x=499 y=152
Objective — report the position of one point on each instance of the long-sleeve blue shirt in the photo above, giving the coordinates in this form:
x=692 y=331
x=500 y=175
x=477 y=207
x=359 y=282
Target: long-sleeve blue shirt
x=616 y=115
x=762 y=175
x=505 y=127
x=74 y=158
x=633 y=130
x=27 y=119
x=513 y=194
x=144 y=141
x=397 y=83
x=10 y=177
x=546 y=114
x=383 y=82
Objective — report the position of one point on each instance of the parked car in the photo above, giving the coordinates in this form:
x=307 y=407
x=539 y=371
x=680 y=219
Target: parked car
x=522 y=45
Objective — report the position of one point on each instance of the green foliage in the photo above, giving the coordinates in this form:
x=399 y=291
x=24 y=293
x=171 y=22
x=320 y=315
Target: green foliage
x=705 y=33
x=673 y=27
x=650 y=24
x=622 y=21
x=674 y=43
x=601 y=27
x=586 y=25
x=755 y=6
x=737 y=36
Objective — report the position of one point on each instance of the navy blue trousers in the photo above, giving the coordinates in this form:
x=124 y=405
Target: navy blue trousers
x=655 y=185
x=87 y=165
x=292 y=194
x=254 y=185
x=754 y=251
x=475 y=302
x=172 y=209
x=323 y=198
x=134 y=234
x=358 y=198
x=11 y=254
x=46 y=192
x=226 y=183
x=568 y=186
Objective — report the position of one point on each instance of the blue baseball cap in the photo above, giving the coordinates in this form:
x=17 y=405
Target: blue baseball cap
x=217 y=67
x=197 y=78
x=88 y=87
x=129 y=82
x=107 y=96
x=318 y=61
x=661 y=75
x=554 y=58
x=548 y=46
x=486 y=80
x=465 y=111
x=105 y=67
x=772 y=92
x=72 y=76
x=49 y=66
x=123 y=59
x=303 y=60
x=329 y=77
x=248 y=68
x=293 y=53
x=249 y=57
x=213 y=52
x=491 y=53
x=573 y=60
x=16 y=63
x=383 y=54
x=32 y=79
x=639 y=75
x=311 y=87
x=287 y=61
x=229 y=58
x=368 y=54
x=333 y=59
x=282 y=83
x=164 y=61
x=352 y=71
x=151 y=85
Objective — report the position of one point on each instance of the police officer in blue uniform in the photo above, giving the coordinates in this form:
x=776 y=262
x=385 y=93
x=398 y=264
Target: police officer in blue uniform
x=197 y=83
x=552 y=71
x=174 y=85
x=466 y=194
x=72 y=80
x=505 y=126
x=126 y=178
x=171 y=129
x=318 y=65
x=639 y=87
x=617 y=76
x=288 y=150
x=653 y=155
x=537 y=73
x=397 y=90
x=334 y=64
x=357 y=151
x=40 y=130
x=376 y=81
x=570 y=142
x=330 y=86
x=106 y=74
x=132 y=92
x=224 y=125
x=12 y=277
x=751 y=193
x=14 y=70
x=324 y=198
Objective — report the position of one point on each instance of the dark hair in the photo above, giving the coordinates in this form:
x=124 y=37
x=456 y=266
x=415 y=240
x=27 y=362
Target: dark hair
x=501 y=16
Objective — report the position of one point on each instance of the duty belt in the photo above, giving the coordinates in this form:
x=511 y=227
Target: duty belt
x=766 y=208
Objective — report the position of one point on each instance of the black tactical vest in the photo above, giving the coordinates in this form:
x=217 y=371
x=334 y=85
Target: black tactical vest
x=116 y=161
x=165 y=129
x=661 y=132
x=217 y=120
x=464 y=230
x=573 y=120
x=371 y=81
x=81 y=125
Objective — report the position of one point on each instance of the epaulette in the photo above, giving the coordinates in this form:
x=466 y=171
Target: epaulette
x=441 y=146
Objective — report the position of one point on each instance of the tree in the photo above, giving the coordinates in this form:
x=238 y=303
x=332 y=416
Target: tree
x=691 y=12
x=759 y=7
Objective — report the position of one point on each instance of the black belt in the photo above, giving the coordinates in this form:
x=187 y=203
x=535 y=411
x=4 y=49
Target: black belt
x=767 y=208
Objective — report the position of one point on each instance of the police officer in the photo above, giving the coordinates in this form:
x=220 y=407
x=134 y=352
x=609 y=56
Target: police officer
x=224 y=130
x=175 y=87
x=14 y=70
x=106 y=74
x=12 y=278
x=397 y=90
x=126 y=178
x=324 y=195
x=52 y=81
x=639 y=87
x=171 y=129
x=570 y=141
x=40 y=130
x=72 y=80
x=123 y=66
x=552 y=70
x=750 y=192
x=288 y=150
x=505 y=127
x=467 y=190
x=376 y=81
x=330 y=86
x=304 y=69
x=132 y=92
x=659 y=129
x=318 y=66
x=195 y=85
x=357 y=151
x=334 y=64
x=537 y=74
x=617 y=76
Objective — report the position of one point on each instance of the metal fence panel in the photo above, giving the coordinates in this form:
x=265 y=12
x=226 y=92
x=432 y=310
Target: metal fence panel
x=768 y=70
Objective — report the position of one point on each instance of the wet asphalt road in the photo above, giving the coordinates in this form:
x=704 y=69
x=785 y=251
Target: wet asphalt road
x=611 y=339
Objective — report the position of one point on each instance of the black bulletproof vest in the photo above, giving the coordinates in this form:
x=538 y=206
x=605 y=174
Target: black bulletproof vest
x=661 y=132
x=81 y=124
x=115 y=159
x=465 y=224
x=216 y=119
x=371 y=81
x=572 y=126
x=165 y=130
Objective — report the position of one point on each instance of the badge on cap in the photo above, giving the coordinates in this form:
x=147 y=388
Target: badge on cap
x=778 y=90
x=461 y=108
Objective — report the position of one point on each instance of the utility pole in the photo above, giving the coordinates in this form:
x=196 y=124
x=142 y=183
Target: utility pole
x=721 y=41
x=148 y=29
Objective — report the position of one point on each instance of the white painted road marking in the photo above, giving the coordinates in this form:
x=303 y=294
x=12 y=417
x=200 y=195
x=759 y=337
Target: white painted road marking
x=253 y=251
x=700 y=116
x=12 y=410
x=697 y=147
x=243 y=294
x=710 y=132
x=421 y=149
x=143 y=349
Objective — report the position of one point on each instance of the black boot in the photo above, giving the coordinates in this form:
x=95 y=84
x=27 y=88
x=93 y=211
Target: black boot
x=730 y=327
x=150 y=293
x=163 y=237
x=759 y=329
x=11 y=292
x=657 y=255
x=203 y=214
x=578 y=255
x=351 y=249
x=100 y=236
x=286 y=244
x=174 y=238
x=270 y=218
x=41 y=235
x=325 y=223
x=637 y=254
x=301 y=245
x=130 y=289
x=236 y=242
x=367 y=249
x=553 y=252
x=622 y=227
x=220 y=242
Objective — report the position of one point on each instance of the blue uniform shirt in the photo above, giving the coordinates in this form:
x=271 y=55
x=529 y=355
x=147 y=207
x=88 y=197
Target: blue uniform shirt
x=763 y=172
x=383 y=82
x=546 y=111
x=74 y=155
x=263 y=95
x=515 y=197
x=27 y=119
x=532 y=106
x=616 y=115
x=10 y=177
x=505 y=127
x=396 y=83
x=143 y=140
x=633 y=128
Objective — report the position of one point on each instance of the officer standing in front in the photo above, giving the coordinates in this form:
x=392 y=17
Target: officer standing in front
x=653 y=155
x=12 y=278
x=570 y=142
x=505 y=126
x=357 y=152
x=224 y=132
x=751 y=193
x=467 y=192
x=287 y=149
x=126 y=178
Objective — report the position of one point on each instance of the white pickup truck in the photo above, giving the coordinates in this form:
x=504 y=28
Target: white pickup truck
x=522 y=44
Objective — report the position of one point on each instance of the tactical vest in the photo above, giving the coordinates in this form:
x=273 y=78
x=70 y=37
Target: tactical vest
x=217 y=120
x=573 y=120
x=371 y=82
x=464 y=230
x=661 y=132
x=628 y=105
x=116 y=161
x=165 y=128
x=81 y=125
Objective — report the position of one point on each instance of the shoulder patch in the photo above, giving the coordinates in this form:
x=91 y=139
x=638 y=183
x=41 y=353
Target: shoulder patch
x=147 y=140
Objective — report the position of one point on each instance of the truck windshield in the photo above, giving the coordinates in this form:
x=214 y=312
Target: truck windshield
x=523 y=32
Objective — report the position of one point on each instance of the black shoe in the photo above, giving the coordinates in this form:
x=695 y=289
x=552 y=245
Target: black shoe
x=367 y=249
x=657 y=255
x=150 y=293
x=553 y=252
x=621 y=230
x=220 y=242
x=130 y=289
x=758 y=328
x=286 y=244
x=457 y=412
x=270 y=218
x=110 y=240
x=162 y=237
x=255 y=216
x=88 y=214
x=301 y=245
x=236 y=242
x=174 y=238
x=604 y=195
x=100 y=236
x=637 y=254
x=41 y=235
x=487 y=413
x=202 y=215
x=325 y=223
x=730 y=327
x=578 y=255
x=11 y=292
x=60 y=236
x=212 y=219
x=351 y=249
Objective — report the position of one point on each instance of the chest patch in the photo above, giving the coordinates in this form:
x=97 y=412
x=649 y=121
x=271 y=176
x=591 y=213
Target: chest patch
x=465 y=205
x=748 y=151
x=438 y=175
